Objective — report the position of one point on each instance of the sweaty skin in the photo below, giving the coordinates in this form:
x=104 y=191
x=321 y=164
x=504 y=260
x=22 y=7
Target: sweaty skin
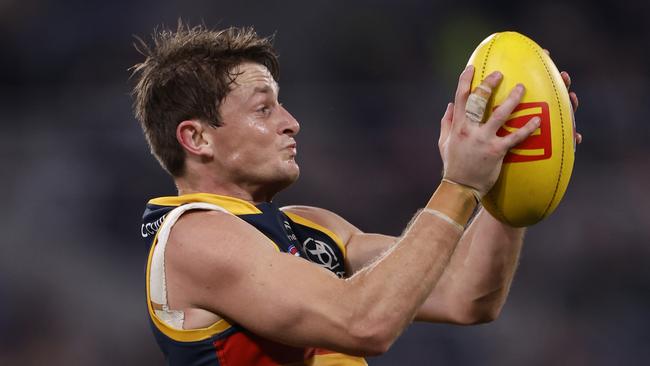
x=252 y=155
x=219 y=266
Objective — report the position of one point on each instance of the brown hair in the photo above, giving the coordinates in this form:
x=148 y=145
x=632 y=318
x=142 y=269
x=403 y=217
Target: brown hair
x=186 y=75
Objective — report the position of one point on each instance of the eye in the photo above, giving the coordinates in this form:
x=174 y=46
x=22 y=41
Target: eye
x=265 y=109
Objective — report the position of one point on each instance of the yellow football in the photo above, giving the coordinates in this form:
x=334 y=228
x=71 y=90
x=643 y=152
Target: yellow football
x=535 y=173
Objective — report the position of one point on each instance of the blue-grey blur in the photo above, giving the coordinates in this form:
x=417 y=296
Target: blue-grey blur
x=369 y=81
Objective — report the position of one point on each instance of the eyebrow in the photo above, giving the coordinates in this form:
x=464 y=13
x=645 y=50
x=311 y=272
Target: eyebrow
x=266 y=89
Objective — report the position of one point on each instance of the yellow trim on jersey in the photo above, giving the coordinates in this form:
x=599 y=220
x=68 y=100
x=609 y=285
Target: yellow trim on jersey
x=303 y=221
x=232 y=204
x=277 y=247
x=332 y=359
x=181 y=335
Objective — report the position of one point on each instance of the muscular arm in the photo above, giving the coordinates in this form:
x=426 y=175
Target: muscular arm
x=481 y=270
x=218 y=263
x=237 y=274
x=475 y=284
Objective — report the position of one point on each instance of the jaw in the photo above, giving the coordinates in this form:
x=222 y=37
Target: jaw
x=265 y=191
x=253 y=185
x=262 y=185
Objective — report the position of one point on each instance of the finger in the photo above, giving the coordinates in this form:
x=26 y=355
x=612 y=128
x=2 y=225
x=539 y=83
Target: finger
x=516 y=137
x=574 y=100
x=445 y=123
x=500 y=115
x=566 y=78
x=546 y=52
x=578 y=138
x=492 y=80
x=462 y=92
x=478 y=99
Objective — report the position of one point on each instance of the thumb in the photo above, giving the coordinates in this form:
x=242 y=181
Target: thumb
x=445 y=123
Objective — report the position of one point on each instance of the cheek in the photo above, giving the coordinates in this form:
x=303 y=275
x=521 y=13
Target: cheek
x=260 y=130
x=259 y=135
x=254 y=143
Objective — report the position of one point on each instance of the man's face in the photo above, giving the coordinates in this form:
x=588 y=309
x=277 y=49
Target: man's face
x=255 y=145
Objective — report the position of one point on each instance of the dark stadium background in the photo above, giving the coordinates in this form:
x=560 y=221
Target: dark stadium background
x=369 y=81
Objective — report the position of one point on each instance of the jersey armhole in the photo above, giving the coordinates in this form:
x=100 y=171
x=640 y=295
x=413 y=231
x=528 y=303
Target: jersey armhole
x=306 y=222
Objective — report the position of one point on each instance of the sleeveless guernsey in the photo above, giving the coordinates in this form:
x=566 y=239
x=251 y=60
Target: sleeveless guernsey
x=225 y=343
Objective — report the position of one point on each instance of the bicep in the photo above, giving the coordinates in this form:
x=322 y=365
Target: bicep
x=239 y=275
x=365 y=248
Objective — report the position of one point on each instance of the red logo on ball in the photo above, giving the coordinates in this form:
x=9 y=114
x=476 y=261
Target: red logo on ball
x=538 y=145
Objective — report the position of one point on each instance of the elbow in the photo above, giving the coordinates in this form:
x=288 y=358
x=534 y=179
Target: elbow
x=484 y=316
x=479 y=310
x=373 y=348
x=477 y=313
x=372 y=339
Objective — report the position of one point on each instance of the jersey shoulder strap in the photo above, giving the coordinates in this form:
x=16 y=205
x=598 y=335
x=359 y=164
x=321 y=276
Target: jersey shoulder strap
x=156 y=280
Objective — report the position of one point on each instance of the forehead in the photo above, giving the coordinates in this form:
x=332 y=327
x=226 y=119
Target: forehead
x=252 y=76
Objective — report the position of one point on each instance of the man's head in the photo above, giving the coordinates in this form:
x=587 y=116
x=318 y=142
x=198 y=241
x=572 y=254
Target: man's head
x=186 y=76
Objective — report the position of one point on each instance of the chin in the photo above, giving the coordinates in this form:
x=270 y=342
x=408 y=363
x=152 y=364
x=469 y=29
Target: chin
x=283 y=178
x=291 y=175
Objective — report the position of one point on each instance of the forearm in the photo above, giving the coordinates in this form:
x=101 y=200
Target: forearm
x=472 y=154
x=493 y=250
x=475 y=285
x=390 y=291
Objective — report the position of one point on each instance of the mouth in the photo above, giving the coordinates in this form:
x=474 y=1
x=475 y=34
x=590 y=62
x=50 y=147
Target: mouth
x=292 y=147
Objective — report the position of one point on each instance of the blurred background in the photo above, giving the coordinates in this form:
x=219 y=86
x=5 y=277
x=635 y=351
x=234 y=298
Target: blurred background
x=369 y=81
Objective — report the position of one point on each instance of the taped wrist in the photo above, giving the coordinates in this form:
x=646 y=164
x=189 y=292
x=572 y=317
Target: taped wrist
x=455 y=201
x=474 y=191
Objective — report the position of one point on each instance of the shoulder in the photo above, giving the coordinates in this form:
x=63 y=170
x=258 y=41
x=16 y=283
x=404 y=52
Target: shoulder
x=328 y=219
x=200 y=235
x=200 y=224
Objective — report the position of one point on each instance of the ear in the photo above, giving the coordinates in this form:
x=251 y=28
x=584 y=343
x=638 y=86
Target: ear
x=192 y=136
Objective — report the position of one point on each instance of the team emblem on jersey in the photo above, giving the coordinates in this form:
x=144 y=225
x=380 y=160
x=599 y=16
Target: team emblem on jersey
x=322 y=254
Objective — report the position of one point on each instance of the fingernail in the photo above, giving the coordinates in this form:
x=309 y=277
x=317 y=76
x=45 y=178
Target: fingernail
x=469 y=67
x=497 y=73
x=521 y=87
x=536 y=121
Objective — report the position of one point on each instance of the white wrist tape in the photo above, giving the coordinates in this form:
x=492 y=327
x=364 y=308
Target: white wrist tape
x=444 y=217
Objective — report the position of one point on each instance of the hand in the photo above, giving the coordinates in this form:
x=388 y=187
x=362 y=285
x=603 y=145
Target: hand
x=574 y=100
x=572 y=96
x=471 y=151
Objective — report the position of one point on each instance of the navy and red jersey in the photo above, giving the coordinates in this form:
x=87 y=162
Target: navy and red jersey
x=227 y=343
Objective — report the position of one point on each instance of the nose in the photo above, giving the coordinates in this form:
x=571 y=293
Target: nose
x=289 y=125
